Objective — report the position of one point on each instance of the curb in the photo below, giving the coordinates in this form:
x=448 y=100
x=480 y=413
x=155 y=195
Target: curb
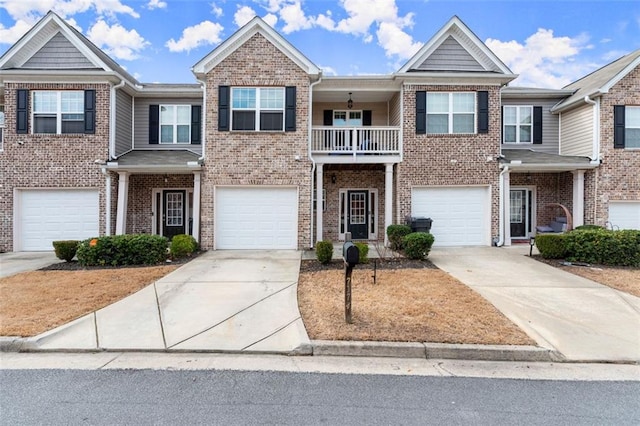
x=11 y=343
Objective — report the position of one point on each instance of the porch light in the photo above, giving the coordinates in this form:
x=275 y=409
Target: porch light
x=350 y=102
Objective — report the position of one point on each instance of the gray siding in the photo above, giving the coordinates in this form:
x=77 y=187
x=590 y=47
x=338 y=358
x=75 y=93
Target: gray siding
x=58 y=53
x=577 y=131
x=395 y=111
x=124 y=131
x=450 y=56
x=550 y=126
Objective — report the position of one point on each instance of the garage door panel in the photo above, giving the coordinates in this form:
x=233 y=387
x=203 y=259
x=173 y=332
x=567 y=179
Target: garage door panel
x=624 y=215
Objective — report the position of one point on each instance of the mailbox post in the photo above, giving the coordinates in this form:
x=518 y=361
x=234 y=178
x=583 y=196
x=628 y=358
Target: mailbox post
x=351 y=257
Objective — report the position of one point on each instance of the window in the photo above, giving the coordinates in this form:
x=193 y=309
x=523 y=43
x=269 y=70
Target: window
x=324 y=200
x=1 y=127
x=632 y=127
x=518 y=124
x=175 y=123
x=450 y=113
x=257 y=108
x=58 y=112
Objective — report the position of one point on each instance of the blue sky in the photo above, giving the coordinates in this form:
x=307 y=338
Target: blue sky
x=549 y=43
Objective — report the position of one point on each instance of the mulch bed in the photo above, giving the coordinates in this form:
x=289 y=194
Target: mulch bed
x=312 y=265
x=74 y=265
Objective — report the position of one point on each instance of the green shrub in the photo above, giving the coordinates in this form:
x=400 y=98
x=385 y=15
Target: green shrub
x=324 y=251
x=119 y=250
x=363 y=250
x=182 y=245
x=418 y=245
x=604 y=247
x=584 y=227
x=66 y=249
x=396 y=234
x=552 y=246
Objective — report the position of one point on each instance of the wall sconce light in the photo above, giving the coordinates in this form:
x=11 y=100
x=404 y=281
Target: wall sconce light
x=166 y=178
x=350 y=102
x=333 y=178
x=528 y=176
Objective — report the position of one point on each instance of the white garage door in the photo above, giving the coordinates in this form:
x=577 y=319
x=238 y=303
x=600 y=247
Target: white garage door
x=47 y=215
x=256 y=218
x=624 y=215
x=460 y=214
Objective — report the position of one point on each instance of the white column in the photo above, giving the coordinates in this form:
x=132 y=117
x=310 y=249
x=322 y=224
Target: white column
x=507 y=209
x=196 y=206
x=319 y=184
x=123 y=196
x=107 y=202
x=578 y=197
x=388 y=199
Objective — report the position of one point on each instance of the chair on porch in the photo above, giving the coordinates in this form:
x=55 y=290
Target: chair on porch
x=560 y=224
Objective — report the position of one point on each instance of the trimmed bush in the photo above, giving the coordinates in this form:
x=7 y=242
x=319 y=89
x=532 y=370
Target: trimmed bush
x=418 y=245
x=120 y=250
x=552 y=246
x=605 y=247
x=66 y=249
x=324 y=251
x=363 y=250
x=584 y=227
x=182 y=245
x=396 y=234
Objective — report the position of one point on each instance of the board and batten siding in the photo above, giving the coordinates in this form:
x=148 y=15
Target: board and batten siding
x=141 y=129
x=576 y=131
x=395 y=110
x=124 y=131
x=550 y=126
x=58 y=53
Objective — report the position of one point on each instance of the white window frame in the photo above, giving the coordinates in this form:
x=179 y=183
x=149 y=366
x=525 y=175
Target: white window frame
x=257 y=108
x=517 y=124
x=450 y=113
x=348 y=117
x=58 y=113
x=324 y=200
x=373 y=213
x=174 y=123
x=627 y=126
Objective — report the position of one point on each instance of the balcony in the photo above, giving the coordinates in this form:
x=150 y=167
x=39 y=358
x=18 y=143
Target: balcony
x=356 y=144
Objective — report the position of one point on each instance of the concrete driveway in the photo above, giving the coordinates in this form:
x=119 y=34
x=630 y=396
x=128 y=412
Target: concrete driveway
x=583 y=320
x=17 y=262
x=232 y=301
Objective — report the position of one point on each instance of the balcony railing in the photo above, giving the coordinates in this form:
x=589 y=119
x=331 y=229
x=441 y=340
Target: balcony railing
x=355 y=140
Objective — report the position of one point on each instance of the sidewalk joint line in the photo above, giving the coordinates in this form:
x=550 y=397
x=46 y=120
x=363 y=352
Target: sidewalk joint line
x=164 y=339
x=95 y=329
x=275 y=332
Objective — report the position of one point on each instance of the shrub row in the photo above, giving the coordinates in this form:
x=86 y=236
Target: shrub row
x=119 y=250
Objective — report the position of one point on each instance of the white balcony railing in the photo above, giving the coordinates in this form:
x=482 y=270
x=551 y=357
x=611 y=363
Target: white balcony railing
x=355 y=140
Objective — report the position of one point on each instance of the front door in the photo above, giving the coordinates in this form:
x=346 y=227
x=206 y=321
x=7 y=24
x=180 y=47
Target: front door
x=174 y=212
x=357 y=214
x=519 y=212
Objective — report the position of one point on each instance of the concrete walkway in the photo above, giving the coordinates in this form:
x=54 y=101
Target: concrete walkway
x=583 y=320
x=17 y=262
x=232 y=301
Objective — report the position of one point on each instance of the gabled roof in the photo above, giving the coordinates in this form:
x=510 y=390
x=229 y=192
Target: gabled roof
x=599 y=81
x=51 y=27
x=455 y=48
x=255 y=26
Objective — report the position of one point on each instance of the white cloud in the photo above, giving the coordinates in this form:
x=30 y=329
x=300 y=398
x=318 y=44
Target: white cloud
x=243 y=15
x=156 y=4
x=544 y=60
x=117 y=41
x=12 y=34
x=270 y=19
x=294 y=18
x=396 y=42
x=328 y=70
x=216 y=10
x=202 y=34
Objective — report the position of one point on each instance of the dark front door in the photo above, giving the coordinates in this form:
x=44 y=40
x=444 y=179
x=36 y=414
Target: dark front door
x=174 y=213
x=357 y=214
x=518 y=213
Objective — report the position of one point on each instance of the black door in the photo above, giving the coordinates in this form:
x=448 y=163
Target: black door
x=174 y=213
x=358 y=214
x=518 y=213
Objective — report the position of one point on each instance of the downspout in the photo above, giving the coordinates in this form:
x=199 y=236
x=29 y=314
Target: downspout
x=500 y=242
x=107 y=196
x=112 y=120
x=596 y=151
x=313 y=162
x=204 y=116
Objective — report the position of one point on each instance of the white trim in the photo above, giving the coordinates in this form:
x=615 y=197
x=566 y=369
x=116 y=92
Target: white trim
x=376 y=214
x=517 y=125
x=619 y=76
x=154 y=208
x=532 y=210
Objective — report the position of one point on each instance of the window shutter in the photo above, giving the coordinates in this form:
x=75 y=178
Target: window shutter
x=89 y=111
x=22 y=111
x=537 y=125
x=618 y=126
x=366 y=117
x=196 y=124
x=154 y=123
x=290 y=109
x=421 y=112
x=327 y=117
x=483 y=112
x=223 y=108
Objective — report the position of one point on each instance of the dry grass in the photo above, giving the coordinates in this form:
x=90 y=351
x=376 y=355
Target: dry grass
x=34 y=302
x=406 y=305
x=623 y=279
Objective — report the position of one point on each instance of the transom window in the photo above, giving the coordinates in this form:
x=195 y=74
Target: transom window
x=632 y=127
x=518 y=124
x=450 y=112
x=58 y=112
x=257 y=108
x=175 y=123
x=347 y=118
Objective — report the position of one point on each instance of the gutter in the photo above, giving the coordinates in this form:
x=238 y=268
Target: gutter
x=500 y=242
x=313 y=162
x=112 y=119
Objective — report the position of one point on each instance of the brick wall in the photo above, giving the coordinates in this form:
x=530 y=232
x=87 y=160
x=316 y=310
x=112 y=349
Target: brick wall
x=549 y=188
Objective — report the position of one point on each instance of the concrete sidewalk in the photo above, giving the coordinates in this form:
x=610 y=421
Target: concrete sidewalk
x=16 y=262
x=232 y=301
x=581 y=319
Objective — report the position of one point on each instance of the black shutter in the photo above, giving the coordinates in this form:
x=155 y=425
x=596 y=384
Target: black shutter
x=421 y=112
x=196 y=124
x=22 y=111
x=366 y=117
x=154 y=124
x=327 y=117
x=618 y=126
x=223 y=108
x=89 y=111
x=483 y=112
x=290 y=109
x=537 y=125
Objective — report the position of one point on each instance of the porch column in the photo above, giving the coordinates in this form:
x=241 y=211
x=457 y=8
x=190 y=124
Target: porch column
x=507 y=208
x=388 y=199
x=319 y=184
x=578 y=197
x=123 y=197
x=195 y=232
